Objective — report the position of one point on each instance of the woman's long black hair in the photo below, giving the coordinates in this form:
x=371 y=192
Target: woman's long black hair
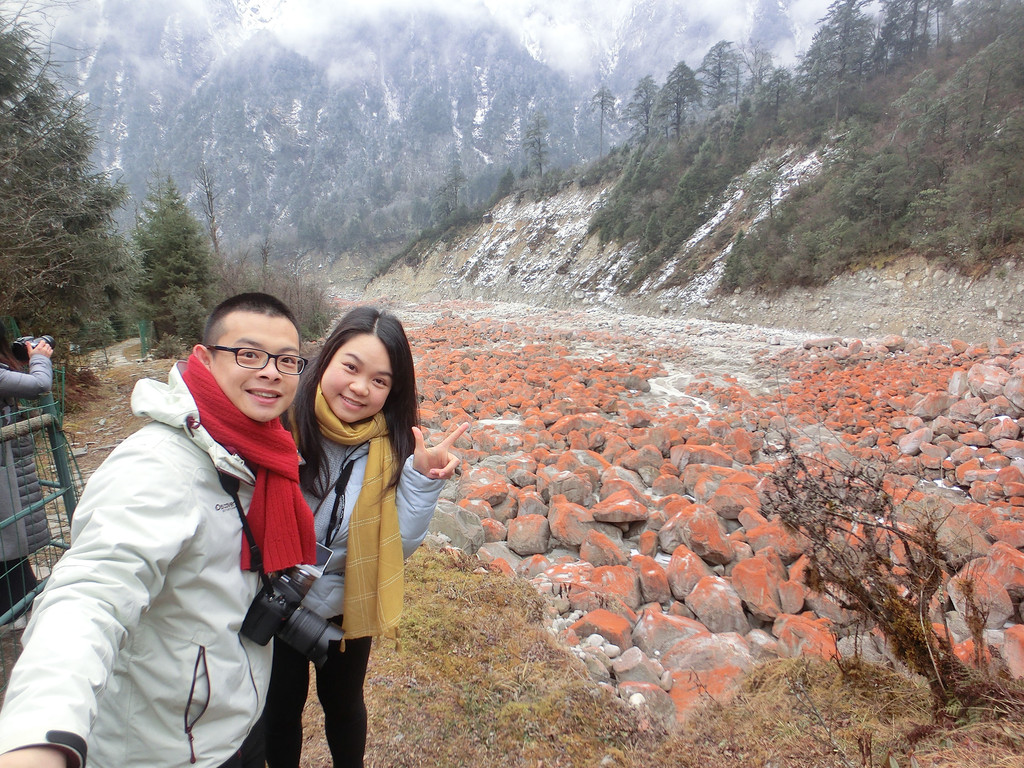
x=6 y=353
x=401 y=409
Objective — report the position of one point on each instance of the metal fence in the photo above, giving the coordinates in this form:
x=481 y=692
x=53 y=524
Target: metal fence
x=42 y=490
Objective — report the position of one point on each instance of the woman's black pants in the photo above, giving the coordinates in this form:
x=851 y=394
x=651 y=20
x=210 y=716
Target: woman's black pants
x=339 y=686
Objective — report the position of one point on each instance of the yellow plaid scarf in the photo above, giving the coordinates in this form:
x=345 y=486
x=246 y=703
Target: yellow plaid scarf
x=374 y=567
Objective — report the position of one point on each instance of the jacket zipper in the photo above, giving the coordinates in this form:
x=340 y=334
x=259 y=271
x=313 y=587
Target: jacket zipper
x=203 y=703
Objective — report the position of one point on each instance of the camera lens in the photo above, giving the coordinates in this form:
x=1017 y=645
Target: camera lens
x=310 y=634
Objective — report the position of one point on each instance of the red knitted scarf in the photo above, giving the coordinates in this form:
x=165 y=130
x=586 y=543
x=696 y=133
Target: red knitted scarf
x=281 y=521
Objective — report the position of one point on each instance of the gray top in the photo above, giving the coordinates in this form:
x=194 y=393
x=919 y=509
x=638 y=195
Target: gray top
x=416 y=497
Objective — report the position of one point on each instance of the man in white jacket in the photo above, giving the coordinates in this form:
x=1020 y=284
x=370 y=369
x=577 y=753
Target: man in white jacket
x=133 y=654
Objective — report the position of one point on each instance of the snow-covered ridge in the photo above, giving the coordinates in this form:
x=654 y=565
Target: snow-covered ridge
x=541 y=251
x=258 y=14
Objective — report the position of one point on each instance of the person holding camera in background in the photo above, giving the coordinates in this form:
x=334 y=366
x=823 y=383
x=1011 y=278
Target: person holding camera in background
x=133 y=652
x=373 y=485
x=19 y=484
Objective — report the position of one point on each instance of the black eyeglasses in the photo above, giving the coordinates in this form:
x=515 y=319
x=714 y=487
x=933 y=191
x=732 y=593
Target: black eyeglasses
x=257 y=359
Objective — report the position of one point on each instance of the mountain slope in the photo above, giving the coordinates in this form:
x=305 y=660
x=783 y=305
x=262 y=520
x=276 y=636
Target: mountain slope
x=541 y=252
x=334 y=133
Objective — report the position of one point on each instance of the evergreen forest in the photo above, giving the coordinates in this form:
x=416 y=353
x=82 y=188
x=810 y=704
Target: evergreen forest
x=916 y=117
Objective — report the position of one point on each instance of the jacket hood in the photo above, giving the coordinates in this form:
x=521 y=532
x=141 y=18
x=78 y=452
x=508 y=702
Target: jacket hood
x=172 y=404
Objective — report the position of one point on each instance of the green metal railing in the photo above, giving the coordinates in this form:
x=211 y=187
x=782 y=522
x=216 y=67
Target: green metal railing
x=60 y=482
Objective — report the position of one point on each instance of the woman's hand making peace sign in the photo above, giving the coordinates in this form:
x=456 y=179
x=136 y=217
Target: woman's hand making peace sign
x=436 y=462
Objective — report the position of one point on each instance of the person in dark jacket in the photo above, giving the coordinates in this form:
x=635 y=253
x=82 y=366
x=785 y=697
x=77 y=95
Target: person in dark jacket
x=21 y=532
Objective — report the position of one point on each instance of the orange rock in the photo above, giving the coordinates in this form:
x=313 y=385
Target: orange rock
x=531 y=502
x=1012 y=449
x=655 y=632
x=756 y=582
x=582 y=422
x=501 y=565
x=619 y=581
x=717 y=606
x=570 y=523
x=706 y=666
x=646 y=458
x=792 y=595
x=654 y=586
x=612 y=627
x=1013 y=650
x=986 y=592
x=621 y=507
x=647 y=544
x=732 y=498
x=967 y=653
x=690 y=691
x=1001 y=428
x=478 y=507
x=683 y=455
x=774 y=534
x=700 y=529
x=638 y=418
x=494 y=530
x=975 y=438
x=684 y=570
x=599 y=549
x=576 y=488
x=665 y=485
x=704 y=481
x=799 y=635
x=1006 y=565
x=1009 y=532
x=529 y=535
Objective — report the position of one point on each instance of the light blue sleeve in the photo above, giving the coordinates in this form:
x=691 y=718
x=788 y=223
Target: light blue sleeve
x=416 y=498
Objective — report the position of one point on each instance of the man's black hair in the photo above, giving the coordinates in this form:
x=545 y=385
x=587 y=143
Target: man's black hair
x=260 y=303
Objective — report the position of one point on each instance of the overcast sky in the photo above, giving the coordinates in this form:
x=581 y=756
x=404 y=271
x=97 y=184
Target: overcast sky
x=568 y=32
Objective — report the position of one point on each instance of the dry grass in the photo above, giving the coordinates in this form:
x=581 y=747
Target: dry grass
x=479 y=680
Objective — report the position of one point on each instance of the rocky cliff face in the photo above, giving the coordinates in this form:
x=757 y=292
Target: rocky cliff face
x=540 y=252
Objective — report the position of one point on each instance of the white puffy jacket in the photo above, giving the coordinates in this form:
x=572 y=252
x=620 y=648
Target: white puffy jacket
x=133 y=648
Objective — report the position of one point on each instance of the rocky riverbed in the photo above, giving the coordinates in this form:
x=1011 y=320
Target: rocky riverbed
x=619 y=463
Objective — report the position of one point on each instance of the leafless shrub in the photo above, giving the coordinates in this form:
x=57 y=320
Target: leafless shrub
x=887 y=562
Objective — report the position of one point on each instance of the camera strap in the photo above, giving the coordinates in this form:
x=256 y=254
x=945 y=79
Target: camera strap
x=231 y=484
x=339 y=498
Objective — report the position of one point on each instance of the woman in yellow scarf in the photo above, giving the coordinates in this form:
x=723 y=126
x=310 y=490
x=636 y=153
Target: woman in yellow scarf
x=372 y=484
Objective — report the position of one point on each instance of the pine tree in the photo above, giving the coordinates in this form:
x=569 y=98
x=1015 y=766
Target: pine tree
x=640 y=110
x=176 y=260
x=62 y=264
x=604 y=102
x=506 y=184
x=535 y=142
x=719 y=75
x=680 y=93
x=446 y=198
x=838 y=58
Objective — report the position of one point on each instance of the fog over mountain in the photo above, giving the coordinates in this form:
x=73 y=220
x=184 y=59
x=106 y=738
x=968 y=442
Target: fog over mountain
x=328 y=125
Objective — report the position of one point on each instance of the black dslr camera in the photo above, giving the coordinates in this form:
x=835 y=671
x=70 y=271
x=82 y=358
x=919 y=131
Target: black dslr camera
x=277 y=610
x=19 y=347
